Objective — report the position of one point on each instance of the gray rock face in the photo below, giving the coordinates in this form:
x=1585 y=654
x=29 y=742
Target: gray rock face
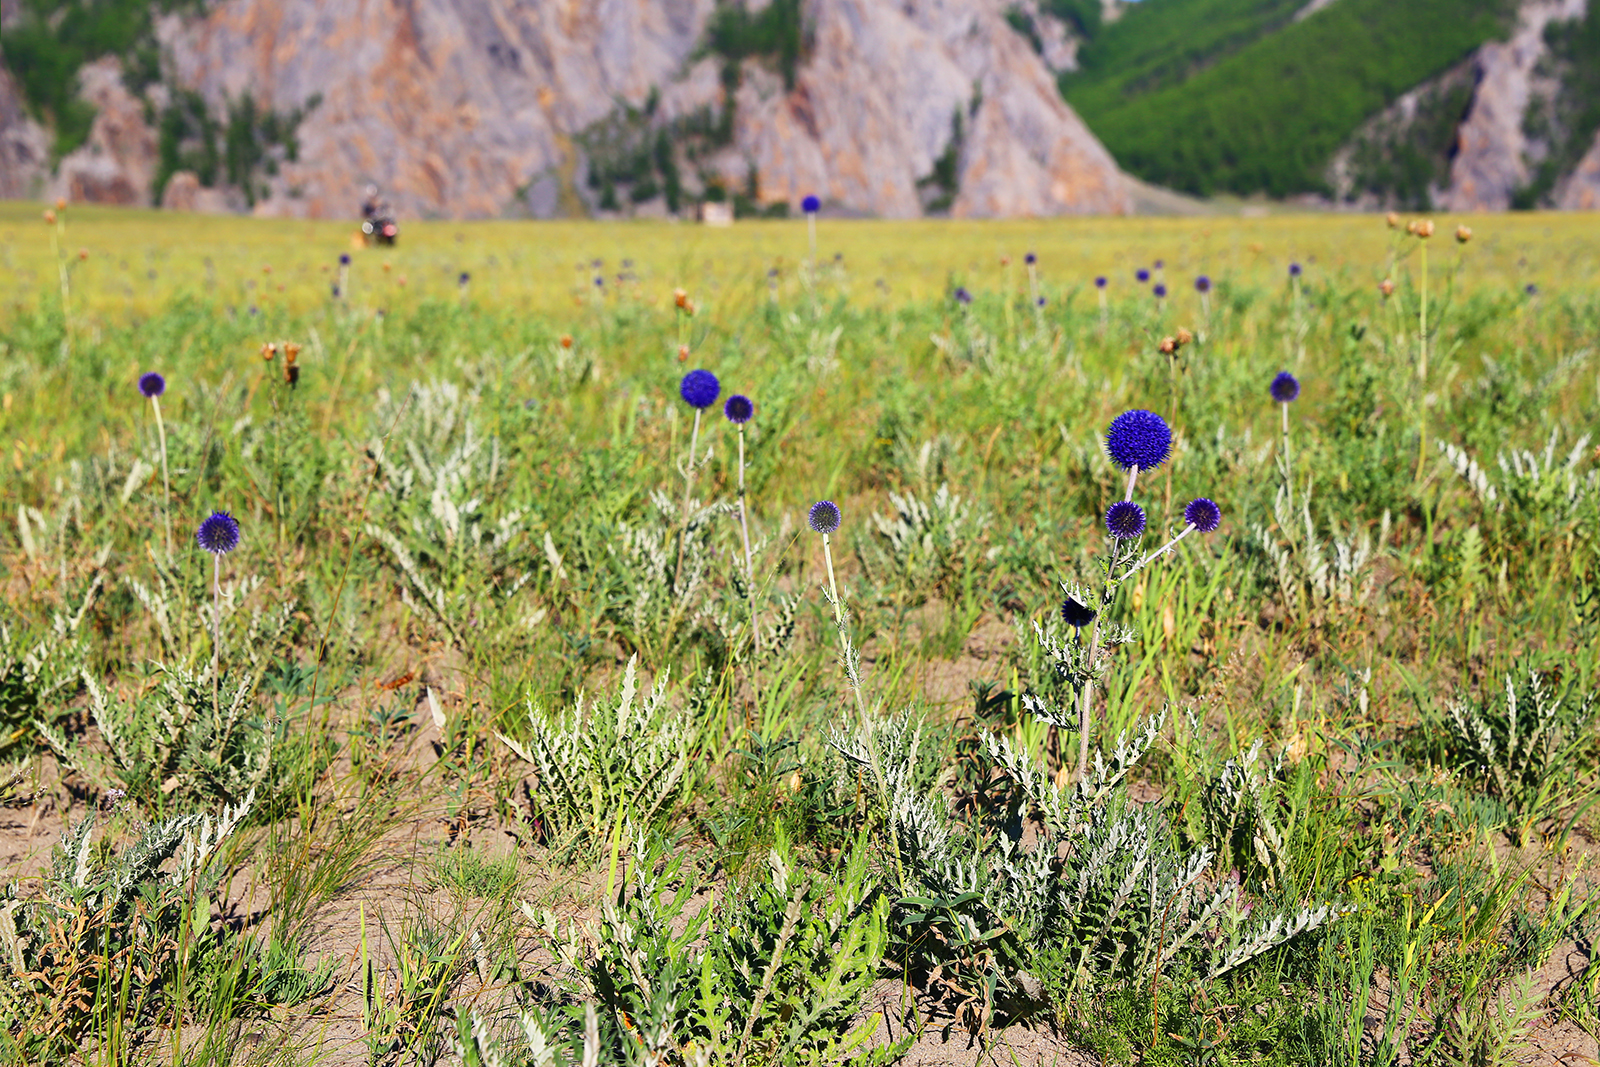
x=450 y=106
x=877 y=105
x=118 y=162
x=24 y=148
x=1491 y=160
x=467 y=108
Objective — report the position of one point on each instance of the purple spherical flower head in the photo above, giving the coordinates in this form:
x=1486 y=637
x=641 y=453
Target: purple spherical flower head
x=738 y=409
x=1285 y=387
x=1202 y=284
x=1100 y=282
x=152 y=384
x=810 y=205
x=699 y=389
x=1076 y=615
x=1039 y=301
x=1125 y=520
x=1143 y=275
x=1531 y=289
x=824 y=517
x=1203 y=514
x=962 y=296
x=344 y=260
x=335 y=288
x=1160 y=263
x=1294 y=270
x=599 y=281
x=1160 y=291
x=1030 y=259
x=1138 y=438
x=219 y=534
x=464 y=279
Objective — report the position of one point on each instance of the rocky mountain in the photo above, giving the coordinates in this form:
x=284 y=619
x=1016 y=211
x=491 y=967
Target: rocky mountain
x=480 y=108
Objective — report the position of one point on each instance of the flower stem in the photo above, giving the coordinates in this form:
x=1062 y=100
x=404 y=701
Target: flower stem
x=166 y=482
x=749 y=567
x=688 y=485
x=844 y=634
x=1422 y=367
x=216 y=631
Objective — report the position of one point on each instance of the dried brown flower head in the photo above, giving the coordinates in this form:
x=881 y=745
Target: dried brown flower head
x=291 y=351
x=1425 y=229
x=1393 y=220
x=269 y=351
x=1184 y=336
x=1386 y=287
x=566 y=340
x=1463 y=234
x=680 y=298
x=683 y=353
x=49 y=217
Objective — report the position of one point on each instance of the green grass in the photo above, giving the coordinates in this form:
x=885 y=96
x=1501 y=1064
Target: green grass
x=1228 y=96
x=466 y=518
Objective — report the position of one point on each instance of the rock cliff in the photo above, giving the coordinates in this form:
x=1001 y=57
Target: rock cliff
x=24 y=148
x=475 y=108
x=1492 y=150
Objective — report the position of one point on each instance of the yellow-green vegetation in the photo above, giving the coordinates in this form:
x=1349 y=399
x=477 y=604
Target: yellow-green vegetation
x=537 y=709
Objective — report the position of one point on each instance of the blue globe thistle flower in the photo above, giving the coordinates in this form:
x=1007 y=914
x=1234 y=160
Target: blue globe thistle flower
x=962 y=296
x=1202 y=284
x=1531 y=289
x=254 y=310
x=1143 y=275
x=1203 y=514
x=738 y=409
x=1039 y=302
x=1125 y=520
x=1294 y=270
x=824 y=517
x=219 y=534
x=810 y=205
x=1285 y=387
x=1030 y=259
x=1076 y=615
x=464 y=279
x=1160 y=291
x=599 y=281
x=1160 y=263
x=335 y=288
x=1100 y=282
x=344 y=260
x=152 y=384
x=699 y=389
x=1138 y=438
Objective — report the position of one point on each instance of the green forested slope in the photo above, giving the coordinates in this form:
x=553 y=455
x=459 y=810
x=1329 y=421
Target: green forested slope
x=1214 y=96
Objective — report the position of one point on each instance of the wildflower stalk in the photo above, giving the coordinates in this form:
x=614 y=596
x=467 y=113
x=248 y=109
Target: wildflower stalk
x=216 y=631
x=749 y=565
x=1086 y=697
x=841 y=621
x=153 y=385
x=688 y=485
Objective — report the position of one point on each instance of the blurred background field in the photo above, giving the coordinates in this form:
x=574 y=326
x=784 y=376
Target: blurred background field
x=139 y=260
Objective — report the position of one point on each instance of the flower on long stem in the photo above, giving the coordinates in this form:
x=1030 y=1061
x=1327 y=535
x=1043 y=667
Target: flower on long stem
x=218 y=535
x=699 y=390
x=739 y=410
x=825 y=518
x=152 y=385
x=1285 y=388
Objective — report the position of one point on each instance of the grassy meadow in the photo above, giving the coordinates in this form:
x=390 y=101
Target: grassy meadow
x=532 y=721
